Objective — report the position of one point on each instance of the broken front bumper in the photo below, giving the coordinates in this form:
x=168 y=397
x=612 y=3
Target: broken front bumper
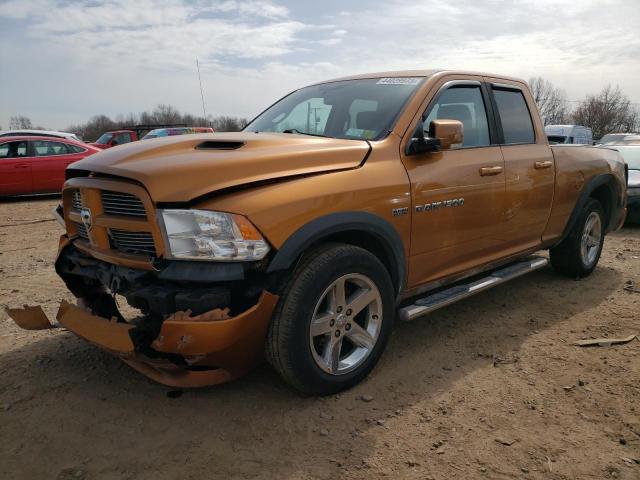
x=188 y=352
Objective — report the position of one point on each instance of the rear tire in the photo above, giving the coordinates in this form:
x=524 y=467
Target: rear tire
x=578 y=254
x=332 y=321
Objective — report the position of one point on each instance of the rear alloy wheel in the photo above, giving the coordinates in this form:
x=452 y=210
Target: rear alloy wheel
x=591 y=239
x=578 y=254
x=332 y=321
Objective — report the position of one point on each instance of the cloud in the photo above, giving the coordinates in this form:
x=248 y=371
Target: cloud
x=73 y=59
x=159 y=35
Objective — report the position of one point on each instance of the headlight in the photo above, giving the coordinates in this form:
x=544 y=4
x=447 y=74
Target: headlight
x=634 y=178
x=205 y=235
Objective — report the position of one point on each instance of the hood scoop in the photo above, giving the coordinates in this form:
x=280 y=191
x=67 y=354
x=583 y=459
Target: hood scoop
x=219 y=145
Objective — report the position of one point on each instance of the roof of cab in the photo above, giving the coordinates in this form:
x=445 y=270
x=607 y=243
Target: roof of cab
x=421 y=73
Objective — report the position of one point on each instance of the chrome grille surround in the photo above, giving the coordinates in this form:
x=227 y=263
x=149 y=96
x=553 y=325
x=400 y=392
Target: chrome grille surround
x=125 y=204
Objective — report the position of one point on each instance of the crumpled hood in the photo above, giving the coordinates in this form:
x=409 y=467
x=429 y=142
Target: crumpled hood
x=181 y=168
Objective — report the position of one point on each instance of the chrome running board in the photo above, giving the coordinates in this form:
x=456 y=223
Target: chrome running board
x=451 y=295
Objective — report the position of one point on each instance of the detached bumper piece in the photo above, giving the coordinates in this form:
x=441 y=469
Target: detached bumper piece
x=189 y=351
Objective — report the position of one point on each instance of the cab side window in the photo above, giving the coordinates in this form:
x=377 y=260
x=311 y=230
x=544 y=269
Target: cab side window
x=43 y=148
x=517 y=126
x=122 y=138
x=465 y=104
x=76 y=149
x=13 y=150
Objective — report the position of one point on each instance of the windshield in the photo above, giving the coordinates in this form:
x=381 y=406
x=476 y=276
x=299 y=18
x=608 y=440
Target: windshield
x=158 y=132
x=350 y=109
x=104 y=138
x=619 y=137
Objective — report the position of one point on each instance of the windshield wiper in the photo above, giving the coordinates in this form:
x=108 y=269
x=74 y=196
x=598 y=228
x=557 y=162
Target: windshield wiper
x=293 y=130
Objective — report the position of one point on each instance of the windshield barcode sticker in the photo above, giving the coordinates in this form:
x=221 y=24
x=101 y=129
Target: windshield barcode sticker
x=398 y=81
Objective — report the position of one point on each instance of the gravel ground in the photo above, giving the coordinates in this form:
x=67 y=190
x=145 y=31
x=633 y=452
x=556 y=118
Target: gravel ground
x=491 y=387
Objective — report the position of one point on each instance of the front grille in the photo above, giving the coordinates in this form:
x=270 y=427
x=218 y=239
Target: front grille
x=76 y=200
x=82 y=231
x=139 y=243
x=117 y=203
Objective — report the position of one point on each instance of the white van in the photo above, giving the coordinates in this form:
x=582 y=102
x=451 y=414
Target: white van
x=569 y=134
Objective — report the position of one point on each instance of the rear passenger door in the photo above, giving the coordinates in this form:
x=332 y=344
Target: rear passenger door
x=529 y=165
x=50 y=161
x=15 y=168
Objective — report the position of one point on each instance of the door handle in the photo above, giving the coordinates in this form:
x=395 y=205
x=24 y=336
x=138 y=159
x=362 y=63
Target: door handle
x=22 y=166
x=487 y=171
x=545 y=164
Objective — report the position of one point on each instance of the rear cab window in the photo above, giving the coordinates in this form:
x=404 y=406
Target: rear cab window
x=514 y=115
x=121 y=138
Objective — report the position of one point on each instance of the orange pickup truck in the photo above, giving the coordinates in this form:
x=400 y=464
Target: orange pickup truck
x=341 y=207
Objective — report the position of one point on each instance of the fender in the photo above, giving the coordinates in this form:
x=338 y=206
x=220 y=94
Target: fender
x=324 y=227
x=597 y=181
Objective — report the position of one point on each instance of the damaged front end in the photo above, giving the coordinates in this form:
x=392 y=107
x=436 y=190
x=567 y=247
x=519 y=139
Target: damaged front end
x=195 y=326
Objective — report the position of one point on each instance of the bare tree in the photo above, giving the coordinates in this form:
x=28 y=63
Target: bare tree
x=551 y=101
x=95 y=127
x=608 y=112
x=162 y=114
x=19 y=122
x=166 y=114
x=228 y=124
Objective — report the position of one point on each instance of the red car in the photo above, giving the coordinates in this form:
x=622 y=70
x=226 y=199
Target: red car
x=36 y=164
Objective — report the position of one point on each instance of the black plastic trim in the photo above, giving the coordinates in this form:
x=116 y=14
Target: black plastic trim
x=185 y=271
x=334 y=223
x=495 y=129
x=219 y=145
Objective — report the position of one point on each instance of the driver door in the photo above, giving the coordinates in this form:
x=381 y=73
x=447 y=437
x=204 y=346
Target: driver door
x=458 y=194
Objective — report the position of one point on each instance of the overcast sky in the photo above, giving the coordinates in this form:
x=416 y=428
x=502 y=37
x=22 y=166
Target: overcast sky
x=65 y=61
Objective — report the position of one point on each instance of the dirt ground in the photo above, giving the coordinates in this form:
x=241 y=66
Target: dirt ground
x=491 y=387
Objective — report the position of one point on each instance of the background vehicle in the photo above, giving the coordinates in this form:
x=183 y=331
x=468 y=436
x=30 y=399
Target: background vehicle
x=618 y=137
x=631 y=155
x=569 y=134
x=35 y=164
x=343 y=205
x=169 y=132
x=38 y=133
x=128 y=135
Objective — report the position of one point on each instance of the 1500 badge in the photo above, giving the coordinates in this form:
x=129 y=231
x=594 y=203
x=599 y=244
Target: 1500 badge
x=427 y=207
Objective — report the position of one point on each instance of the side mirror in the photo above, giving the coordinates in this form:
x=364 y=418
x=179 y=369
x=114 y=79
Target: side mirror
x=442 y=135
x=449 y=132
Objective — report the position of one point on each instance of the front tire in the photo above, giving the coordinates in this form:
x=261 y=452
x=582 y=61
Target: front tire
x=333 y=320
x=578 y=254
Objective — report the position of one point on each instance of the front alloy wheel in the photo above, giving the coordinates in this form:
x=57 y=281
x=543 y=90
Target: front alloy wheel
x=346 y=324
x=332 y=321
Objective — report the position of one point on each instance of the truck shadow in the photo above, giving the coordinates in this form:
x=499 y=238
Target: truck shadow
x=70 y=391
